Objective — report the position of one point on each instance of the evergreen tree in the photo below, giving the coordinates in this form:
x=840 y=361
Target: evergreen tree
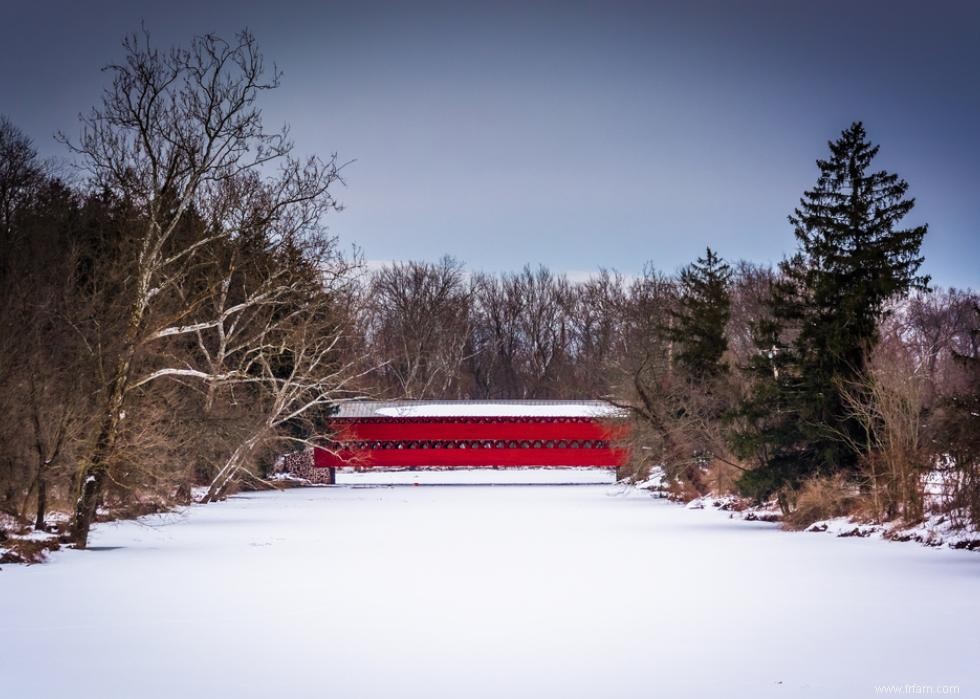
x=852 y=259
x=698 y=325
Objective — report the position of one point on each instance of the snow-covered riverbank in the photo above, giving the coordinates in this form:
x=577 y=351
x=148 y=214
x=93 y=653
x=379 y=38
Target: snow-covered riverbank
x=481 y=591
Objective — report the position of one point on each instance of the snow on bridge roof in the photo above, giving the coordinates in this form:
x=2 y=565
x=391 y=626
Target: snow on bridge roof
x=477 y=408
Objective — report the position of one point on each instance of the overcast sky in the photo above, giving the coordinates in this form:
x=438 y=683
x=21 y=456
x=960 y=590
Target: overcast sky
x=572 y=135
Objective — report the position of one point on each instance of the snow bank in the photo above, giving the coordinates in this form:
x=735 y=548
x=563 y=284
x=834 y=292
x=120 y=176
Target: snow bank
x=936 y=530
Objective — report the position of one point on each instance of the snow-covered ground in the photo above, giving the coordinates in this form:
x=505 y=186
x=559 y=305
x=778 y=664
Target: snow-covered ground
x=509 y=475
x=481 y=591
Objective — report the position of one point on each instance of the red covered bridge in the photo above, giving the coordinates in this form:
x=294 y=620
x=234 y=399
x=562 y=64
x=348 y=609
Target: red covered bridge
x=467 y=434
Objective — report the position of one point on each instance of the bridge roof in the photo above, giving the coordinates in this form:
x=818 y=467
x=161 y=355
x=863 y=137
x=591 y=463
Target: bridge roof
x=477 y=408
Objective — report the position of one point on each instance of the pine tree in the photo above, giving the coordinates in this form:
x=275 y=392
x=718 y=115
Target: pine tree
x=852 y=259
x=698 y=325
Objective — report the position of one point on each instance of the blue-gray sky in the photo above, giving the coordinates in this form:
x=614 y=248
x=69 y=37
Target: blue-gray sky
x=571 y=134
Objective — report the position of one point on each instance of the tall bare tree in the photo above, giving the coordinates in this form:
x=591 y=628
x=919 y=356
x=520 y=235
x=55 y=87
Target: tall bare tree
x=417 y=316
x=179 y=132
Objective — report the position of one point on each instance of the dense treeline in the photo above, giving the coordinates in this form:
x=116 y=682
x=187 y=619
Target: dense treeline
x=694 y=358
x=177 y=315
x=837 y=382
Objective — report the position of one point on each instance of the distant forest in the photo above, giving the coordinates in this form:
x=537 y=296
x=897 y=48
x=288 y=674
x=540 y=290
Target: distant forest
x=175 y=313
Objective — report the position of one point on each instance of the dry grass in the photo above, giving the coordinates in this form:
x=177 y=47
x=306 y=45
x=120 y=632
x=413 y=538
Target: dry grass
x=634 y=472
x=682 y=490
x=822 y=498
x=721 y=477
x=28 y=550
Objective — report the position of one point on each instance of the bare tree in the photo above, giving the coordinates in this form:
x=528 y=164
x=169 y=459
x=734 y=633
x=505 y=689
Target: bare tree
x=937 y=327
x=888 y=401
x=597 y=322
x=418 y=323
x=750 y=296
x=296 y=374
x=642 y=373
x=496 y=341
x=45 y=385
x=179 y=132
x=20 y=174
x=523 y=336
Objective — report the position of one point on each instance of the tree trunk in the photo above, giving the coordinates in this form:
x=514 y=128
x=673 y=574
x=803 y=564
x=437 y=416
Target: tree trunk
x=227 y=473
x=22 y=512
x=94 y=473
x=86 y=506
x=42 y=502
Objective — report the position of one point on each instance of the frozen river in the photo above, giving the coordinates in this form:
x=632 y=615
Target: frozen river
x=483 y=591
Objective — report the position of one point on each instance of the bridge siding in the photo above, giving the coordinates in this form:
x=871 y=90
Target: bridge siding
x=403 y=443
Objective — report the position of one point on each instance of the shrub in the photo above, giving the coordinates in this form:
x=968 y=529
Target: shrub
x=820 y=498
